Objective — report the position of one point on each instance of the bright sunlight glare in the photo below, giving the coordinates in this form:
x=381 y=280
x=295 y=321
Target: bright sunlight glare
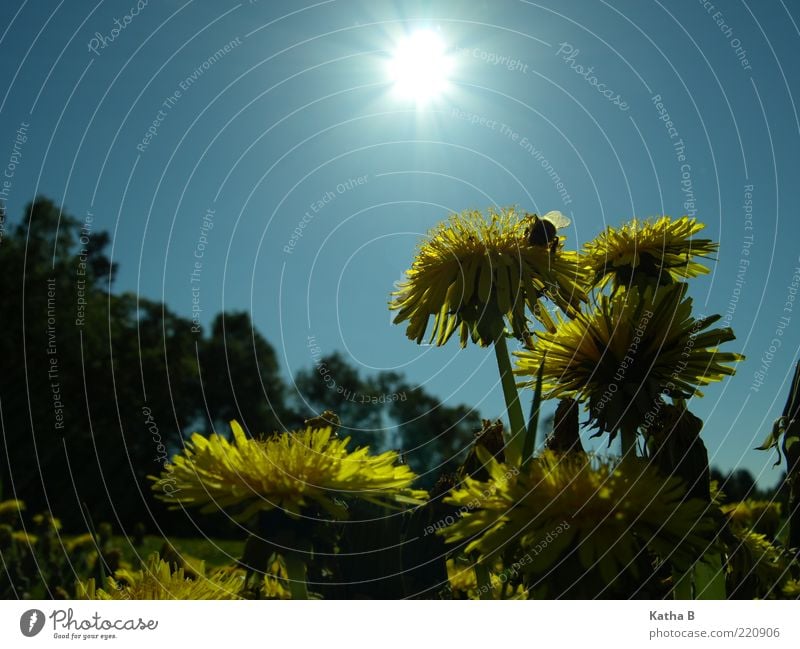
x=420 y=67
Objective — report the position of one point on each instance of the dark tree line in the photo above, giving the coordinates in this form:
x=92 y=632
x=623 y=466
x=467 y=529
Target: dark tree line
x=99 y=388
x=740 y=484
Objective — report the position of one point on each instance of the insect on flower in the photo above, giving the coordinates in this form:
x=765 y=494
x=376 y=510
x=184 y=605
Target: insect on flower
x=543 y=229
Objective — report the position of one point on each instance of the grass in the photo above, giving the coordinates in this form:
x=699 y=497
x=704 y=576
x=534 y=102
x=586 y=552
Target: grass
x=215 y=552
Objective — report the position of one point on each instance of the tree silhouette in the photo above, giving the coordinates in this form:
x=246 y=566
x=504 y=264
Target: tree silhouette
x=241 y=378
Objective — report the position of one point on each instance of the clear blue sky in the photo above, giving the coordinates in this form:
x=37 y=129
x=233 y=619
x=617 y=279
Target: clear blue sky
x=298 y=105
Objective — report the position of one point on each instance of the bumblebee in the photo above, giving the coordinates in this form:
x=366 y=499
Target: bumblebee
x=543 y=230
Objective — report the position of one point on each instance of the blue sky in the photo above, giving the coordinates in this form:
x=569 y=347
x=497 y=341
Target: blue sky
x=149 y=127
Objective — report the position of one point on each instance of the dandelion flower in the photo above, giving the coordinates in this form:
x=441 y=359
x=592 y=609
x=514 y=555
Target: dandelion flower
x=24 y=538
x=643 y=252
x=472 y=273
x=276 y=582
x=461 y=576
x=756 y=567
x=463 y=583
x=560 y=505
x=46 y=521
x=157 y=580
x=82 y=542
x=762 y=516
x=9 y=536
x=11 y=507
x=791 y=589
x=632 y=349
x=287 y=471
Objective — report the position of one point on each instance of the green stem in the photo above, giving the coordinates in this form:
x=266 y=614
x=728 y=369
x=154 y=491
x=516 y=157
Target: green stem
x=683 y=584
x=484 y=580
x=296 y=572
x=794 y=512
x=513 y=406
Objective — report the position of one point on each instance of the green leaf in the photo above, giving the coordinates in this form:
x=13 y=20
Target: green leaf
x=709 y=578
x=773 y=437
x=791 y=411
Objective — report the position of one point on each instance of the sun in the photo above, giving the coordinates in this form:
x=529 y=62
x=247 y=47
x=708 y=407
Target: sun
x=420 y=67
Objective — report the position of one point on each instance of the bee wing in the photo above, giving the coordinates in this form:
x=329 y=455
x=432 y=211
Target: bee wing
x=557 y=219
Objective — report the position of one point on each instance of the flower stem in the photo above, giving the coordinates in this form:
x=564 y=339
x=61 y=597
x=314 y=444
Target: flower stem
x=296 y=573
x=513 y=406
x=484 y=580
x=683 y=585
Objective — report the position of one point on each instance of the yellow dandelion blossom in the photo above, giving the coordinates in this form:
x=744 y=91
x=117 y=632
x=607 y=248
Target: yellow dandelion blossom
x=46 y=521
x=791 y=589
x=287 y=471
x=756 y=567
x=9 y=536
x=275 y=584
x=645 y=252
x=275 y=588
x=472 y=272
x=81 y=542
x=23 y=538
x=461 y=576
x=11 y=508
x=601 y=514
x=463 y=583
x=630 y=350
x=158 y=580
x=762 y=515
